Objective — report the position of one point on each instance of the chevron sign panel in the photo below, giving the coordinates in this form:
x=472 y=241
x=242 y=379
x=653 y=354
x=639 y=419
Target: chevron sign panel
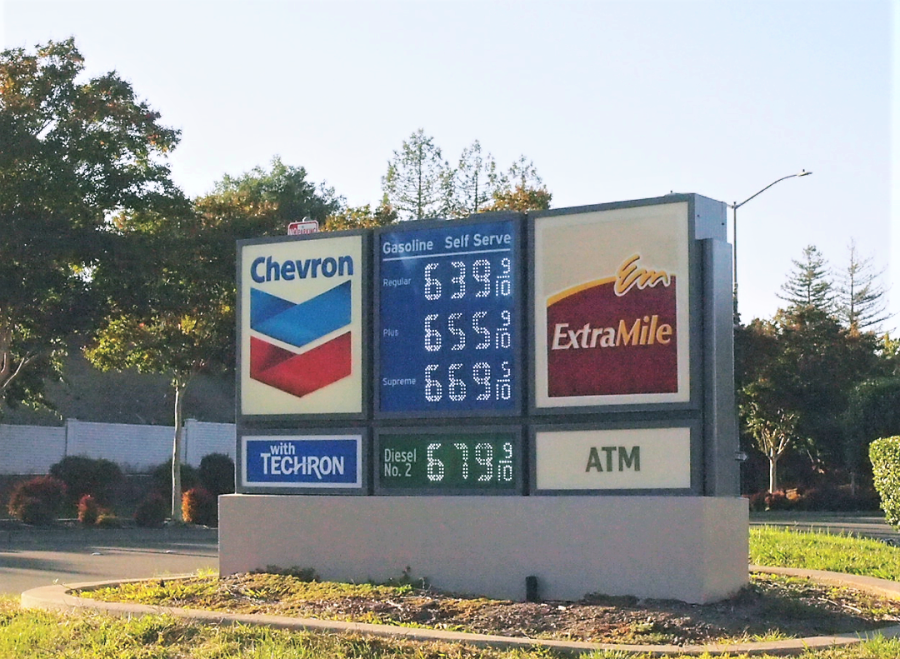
x=301 y=326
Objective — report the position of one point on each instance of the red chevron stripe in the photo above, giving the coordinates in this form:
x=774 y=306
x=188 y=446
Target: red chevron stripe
x=301 y=374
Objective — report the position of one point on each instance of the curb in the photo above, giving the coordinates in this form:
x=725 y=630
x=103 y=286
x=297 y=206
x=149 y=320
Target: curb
x=58 y=598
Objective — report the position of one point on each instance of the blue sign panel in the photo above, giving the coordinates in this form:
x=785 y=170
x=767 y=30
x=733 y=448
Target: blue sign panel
x=319 y=461
x=447 y=325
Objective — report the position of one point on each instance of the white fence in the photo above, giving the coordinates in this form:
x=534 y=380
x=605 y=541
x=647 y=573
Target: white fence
x=33 y=449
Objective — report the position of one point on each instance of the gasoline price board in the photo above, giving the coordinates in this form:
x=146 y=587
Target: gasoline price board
x=447 y=323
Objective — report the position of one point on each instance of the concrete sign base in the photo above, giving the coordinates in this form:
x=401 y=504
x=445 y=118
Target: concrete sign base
x=692 y=549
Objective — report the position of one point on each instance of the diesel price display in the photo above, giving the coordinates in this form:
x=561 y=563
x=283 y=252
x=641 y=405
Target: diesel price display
x=447 y=326
x=476 y=462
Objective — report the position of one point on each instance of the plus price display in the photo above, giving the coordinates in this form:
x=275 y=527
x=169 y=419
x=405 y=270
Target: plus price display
x=449 y=463
x=448 y=319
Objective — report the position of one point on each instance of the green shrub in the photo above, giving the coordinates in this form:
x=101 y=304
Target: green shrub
x=198 y=506
x=108 y=520
x=37 y=501
x=885 y=456
x=84 y=475
x=216 y=474
x=161 y=479
x=88 y=510
x=152 y=511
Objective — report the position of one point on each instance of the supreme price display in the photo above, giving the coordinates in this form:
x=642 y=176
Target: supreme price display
x=481 y=461
x=448 y=318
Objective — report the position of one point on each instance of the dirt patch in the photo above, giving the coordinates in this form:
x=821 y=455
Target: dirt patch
x=770 y=608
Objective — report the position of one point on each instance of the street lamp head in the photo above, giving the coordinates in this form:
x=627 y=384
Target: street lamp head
x=804 y=173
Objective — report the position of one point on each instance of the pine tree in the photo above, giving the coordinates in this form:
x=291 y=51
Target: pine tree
x=860 y=301
x=809 y=284
x=476 y=181
x=419 y=182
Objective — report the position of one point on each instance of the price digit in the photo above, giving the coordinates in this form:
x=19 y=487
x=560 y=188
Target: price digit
x=503 y=285
x=433 y=389
x=503 y=338
x=483 y=332
x=464 y=449
x=435 y=467
x=481 y=374
x=432 y=336
x=457 y=387
x=432 y=285
x=503 y=387
x=456 y=331
x=484 y=455
x=459 y=280
x=481 y=272
x=505 y=465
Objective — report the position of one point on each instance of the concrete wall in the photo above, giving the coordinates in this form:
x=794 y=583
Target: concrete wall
x=688 y=548
x=30 y=449
x=136 y=448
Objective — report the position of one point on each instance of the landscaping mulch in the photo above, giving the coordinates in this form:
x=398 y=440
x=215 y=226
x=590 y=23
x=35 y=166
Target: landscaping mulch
x=770 y=608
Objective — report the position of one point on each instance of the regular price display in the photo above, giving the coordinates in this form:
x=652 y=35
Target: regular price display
x=447 y=325
x=456 y=463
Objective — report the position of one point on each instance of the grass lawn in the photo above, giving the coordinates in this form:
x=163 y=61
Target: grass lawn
x=31 y=634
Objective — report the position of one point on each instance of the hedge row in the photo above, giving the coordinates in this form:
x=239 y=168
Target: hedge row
x=885 y=456
x=89 y=483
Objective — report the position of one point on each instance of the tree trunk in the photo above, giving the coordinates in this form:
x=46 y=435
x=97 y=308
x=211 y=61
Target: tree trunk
x=773 y=473
x=176 y=451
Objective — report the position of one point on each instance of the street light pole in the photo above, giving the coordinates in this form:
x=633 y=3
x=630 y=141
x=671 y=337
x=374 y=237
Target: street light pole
x=734 y=208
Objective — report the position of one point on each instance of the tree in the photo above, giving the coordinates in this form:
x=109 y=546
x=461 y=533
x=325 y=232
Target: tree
x=476 y=181
x=521 y=189
x=172 y=298
x=773 y=431
x=809 y=284
x=860 y=301
x=175 y=315
x=360 y=217
x=418 y=182
x=73 y=153
x=873 y=412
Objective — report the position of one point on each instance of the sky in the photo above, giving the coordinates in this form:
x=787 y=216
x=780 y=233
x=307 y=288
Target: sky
x=611 y=100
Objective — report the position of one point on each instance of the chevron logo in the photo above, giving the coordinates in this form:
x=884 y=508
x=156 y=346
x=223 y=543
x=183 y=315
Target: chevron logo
x=302 y=371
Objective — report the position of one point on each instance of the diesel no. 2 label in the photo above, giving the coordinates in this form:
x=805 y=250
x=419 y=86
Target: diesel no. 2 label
x=448 y=318
x=473 y=462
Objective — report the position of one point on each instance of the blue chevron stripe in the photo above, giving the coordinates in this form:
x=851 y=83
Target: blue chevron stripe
x=299 y=324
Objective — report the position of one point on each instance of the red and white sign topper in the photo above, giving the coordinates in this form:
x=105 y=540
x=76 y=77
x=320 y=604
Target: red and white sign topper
x=303 y=227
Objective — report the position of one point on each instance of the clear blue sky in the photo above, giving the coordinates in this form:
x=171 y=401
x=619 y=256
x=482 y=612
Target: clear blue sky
x=611 y=100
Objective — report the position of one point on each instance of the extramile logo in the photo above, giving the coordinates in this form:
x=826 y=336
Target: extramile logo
x=615 y=335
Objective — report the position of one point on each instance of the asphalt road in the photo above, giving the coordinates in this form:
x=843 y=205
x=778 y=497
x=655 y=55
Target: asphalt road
x=33 y=558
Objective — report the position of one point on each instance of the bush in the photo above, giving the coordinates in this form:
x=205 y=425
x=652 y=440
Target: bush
x=161 y=479
x=88 y=510
x=37 y=501
x=216 y=474
x=84 y=475
x=885 y=456
x=198 y=506
x=108 y=520
x=152 y=511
